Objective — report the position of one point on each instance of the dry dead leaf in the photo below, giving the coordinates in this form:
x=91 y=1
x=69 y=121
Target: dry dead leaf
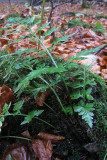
x=41 y=97
x=89 y=34
x=34 y=28
x=6 y=95
x=89 y=59
x=47 y=136
x=104 y=74
x=42 y=148
x=18 y=152
x=102 y=62
x=25 y=12
x=104 y=71
x=26 y=134
x=96 y=69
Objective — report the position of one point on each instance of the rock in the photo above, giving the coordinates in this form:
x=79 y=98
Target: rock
x=92 y=147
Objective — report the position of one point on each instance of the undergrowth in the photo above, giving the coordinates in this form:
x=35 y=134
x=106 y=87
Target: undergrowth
x=97 y=27
x=28 y=76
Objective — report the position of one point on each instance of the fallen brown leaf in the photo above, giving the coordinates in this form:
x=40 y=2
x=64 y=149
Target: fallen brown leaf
x=17 y=152
x=42 y=148
x=41 y=97
x=47 y=136
x=6 y=95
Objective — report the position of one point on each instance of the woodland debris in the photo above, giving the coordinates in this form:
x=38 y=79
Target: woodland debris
x=92 y=147
x=6 y=96
x=47 y=136
x=43 y=149
x=18 y=152
x=42 y=96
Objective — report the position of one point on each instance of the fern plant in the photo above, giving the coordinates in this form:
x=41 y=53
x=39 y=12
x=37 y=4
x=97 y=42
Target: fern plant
x=81 y=95
x=38 y=75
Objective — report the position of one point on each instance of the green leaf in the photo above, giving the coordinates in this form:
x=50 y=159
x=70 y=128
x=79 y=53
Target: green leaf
x=22 y=85
x=87 y=52
x=31 y=115
x=20 y=38
x=63 y=39
x=36 y=73
x=77 y=84
x=43 y=26
x=88 y=94
x=6 y=108
x=85 y=112
x=17 y=106
x=76 y=94
x=68 y=109
x=9 y=158
x=49 y=32
x=19 y=52
x=90 y=82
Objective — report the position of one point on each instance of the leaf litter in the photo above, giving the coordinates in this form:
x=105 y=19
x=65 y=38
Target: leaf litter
x=84 y=38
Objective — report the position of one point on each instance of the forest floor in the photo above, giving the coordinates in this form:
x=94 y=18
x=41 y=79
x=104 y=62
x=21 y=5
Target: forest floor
x=74 y=141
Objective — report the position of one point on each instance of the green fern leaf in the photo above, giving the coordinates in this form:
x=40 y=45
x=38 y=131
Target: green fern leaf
x=76 y=94
x=87 y=52
x=68 y=109
x=85 y=112
x=6 y=109
x=17 y=106
x=36 y=73
x=88 y=94
x=43 y=26
x=31 y=115
x=49 y=32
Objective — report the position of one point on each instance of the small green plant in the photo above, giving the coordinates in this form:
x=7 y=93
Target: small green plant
x=98 y=16
x=78 y=22
x=98 y=28
x=38 y=75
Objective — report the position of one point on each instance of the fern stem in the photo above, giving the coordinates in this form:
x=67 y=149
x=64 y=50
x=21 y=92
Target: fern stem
x=28 y=139
x=44 y=122
x=84 y=84
x=42 y=13
x=39 y=119
x=46 y=104
x=49 y=54
x=54 y=93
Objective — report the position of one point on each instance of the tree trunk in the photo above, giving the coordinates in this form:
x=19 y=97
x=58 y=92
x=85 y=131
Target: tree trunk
x=83 y=3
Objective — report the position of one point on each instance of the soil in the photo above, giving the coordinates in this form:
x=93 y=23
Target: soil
x=75 y=134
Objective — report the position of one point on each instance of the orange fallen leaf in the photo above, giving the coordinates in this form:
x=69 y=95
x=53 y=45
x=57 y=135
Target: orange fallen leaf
x=104 y=76
x=52 y=137
x=96 y=69
x=104 y=71
x=34 y=28
x=41 y=97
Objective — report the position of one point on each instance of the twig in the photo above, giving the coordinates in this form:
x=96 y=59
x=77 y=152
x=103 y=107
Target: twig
x=50 y=15
x=49 y=18
x=100 y=50
x=81 y=35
